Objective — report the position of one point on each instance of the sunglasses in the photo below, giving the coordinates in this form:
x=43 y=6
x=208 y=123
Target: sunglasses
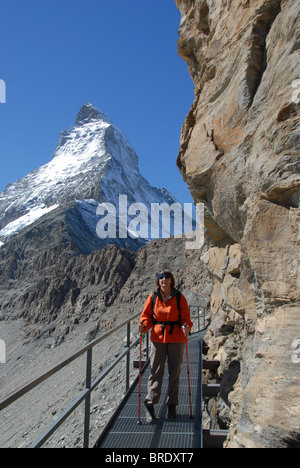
x=164 y=275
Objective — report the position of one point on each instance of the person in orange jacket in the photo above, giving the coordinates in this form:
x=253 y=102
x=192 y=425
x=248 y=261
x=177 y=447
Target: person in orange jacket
x=166 y=311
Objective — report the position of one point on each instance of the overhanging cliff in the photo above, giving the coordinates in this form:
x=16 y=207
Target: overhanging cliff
x=240 y=156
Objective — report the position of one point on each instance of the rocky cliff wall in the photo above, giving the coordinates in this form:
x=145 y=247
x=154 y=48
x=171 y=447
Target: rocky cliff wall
x=240 y=156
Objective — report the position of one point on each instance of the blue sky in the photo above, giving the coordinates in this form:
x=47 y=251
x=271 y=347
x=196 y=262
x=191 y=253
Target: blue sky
x=120 y=55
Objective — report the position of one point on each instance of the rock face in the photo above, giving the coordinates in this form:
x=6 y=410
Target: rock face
x=240 y=156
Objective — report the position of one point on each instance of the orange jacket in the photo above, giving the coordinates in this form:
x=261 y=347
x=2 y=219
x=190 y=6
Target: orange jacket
x=166 y=312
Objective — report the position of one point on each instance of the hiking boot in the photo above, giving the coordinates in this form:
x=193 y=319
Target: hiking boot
x=172 y=415
x=150 y=413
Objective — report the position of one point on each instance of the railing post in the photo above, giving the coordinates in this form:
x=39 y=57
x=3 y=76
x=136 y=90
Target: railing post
x=128 y=357
x=147 y=346
x=88 y=383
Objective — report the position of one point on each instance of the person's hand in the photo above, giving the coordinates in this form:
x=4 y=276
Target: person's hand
x=141 y=327
x=186 y=330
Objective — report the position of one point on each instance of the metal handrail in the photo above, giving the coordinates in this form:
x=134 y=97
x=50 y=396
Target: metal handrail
x=89 y=385
x=201 y=317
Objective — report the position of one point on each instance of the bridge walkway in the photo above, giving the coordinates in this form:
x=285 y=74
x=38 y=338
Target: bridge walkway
x=123 y=430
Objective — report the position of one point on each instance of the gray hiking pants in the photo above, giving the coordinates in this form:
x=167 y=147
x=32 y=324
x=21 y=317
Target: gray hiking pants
x=159 y=354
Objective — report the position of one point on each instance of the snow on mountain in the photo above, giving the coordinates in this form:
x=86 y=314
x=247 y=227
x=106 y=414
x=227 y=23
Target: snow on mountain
x=33 y=215
x=93 y=163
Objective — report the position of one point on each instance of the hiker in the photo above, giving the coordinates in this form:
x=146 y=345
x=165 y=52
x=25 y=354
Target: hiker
x=166 y=311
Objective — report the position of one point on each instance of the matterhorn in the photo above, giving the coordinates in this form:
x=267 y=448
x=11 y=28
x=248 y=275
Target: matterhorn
x=93 y=163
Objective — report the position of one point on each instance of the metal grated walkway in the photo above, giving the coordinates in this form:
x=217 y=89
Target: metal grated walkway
x=124 y=432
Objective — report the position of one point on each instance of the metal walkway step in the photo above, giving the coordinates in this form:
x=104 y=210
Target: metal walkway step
x=210 y=390
x=124 y=432
x=214 y=438
x=211 y=364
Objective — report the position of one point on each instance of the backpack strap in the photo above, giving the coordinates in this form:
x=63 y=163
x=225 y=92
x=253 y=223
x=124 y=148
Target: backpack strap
x=154 y=297
x=178 y=297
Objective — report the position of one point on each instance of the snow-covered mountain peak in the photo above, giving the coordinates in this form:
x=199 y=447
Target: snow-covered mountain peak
x=93 y=163
x=89 y=121
x=89 y=113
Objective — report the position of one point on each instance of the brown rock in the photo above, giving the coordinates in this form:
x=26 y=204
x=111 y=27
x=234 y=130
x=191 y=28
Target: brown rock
x=240 y=156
